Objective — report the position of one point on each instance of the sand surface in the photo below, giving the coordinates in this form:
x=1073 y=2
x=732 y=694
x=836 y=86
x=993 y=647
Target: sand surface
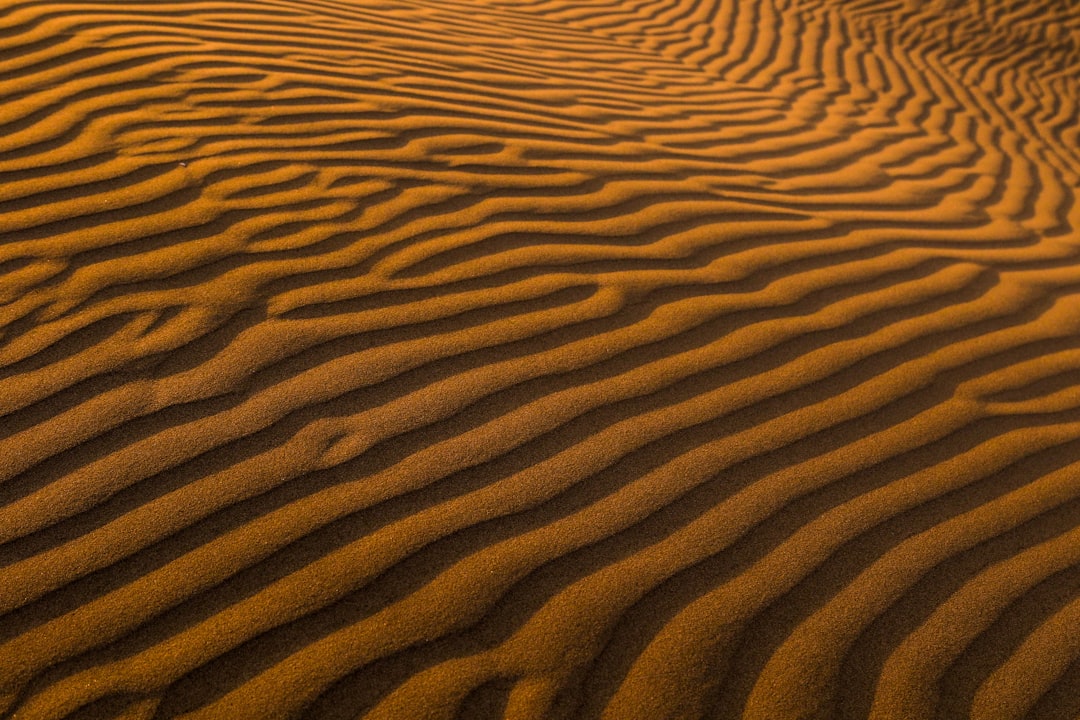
x=540 y=359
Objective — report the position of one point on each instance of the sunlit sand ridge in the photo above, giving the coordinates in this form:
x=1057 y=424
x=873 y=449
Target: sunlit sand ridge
x=620 y=360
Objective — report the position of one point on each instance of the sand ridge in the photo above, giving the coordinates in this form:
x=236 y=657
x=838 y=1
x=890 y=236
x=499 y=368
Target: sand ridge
x=544 y=359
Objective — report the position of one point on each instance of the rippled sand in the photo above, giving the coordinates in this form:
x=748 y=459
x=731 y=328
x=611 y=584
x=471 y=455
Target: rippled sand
x=540 y=359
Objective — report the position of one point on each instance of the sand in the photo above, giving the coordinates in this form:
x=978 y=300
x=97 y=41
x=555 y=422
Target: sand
x=540 y=359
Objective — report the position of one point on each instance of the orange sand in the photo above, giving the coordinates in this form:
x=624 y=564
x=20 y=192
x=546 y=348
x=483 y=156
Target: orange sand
x=540 y=359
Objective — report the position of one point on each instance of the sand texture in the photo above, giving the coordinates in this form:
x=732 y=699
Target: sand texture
x=540 y=359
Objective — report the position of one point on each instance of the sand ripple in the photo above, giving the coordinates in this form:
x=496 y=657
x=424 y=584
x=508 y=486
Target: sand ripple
x=537 y=359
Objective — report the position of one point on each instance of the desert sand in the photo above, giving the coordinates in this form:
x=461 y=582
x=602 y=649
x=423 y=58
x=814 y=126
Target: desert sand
x=540 y=359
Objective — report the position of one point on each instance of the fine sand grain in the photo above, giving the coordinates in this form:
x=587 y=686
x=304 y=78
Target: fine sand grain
x=540 y=359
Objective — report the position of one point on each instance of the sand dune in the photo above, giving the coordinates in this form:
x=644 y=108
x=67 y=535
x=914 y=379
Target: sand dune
x=539 y=359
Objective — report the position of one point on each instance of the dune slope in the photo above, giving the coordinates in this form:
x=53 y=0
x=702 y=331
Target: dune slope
x=538 y=359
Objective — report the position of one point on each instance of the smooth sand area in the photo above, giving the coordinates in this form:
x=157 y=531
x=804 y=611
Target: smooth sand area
x=540 y=359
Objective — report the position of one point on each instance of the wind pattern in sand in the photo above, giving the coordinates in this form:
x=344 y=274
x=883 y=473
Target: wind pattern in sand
x=538 y=359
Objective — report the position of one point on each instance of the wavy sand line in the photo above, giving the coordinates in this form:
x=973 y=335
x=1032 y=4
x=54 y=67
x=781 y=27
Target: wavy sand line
x=664 y=358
